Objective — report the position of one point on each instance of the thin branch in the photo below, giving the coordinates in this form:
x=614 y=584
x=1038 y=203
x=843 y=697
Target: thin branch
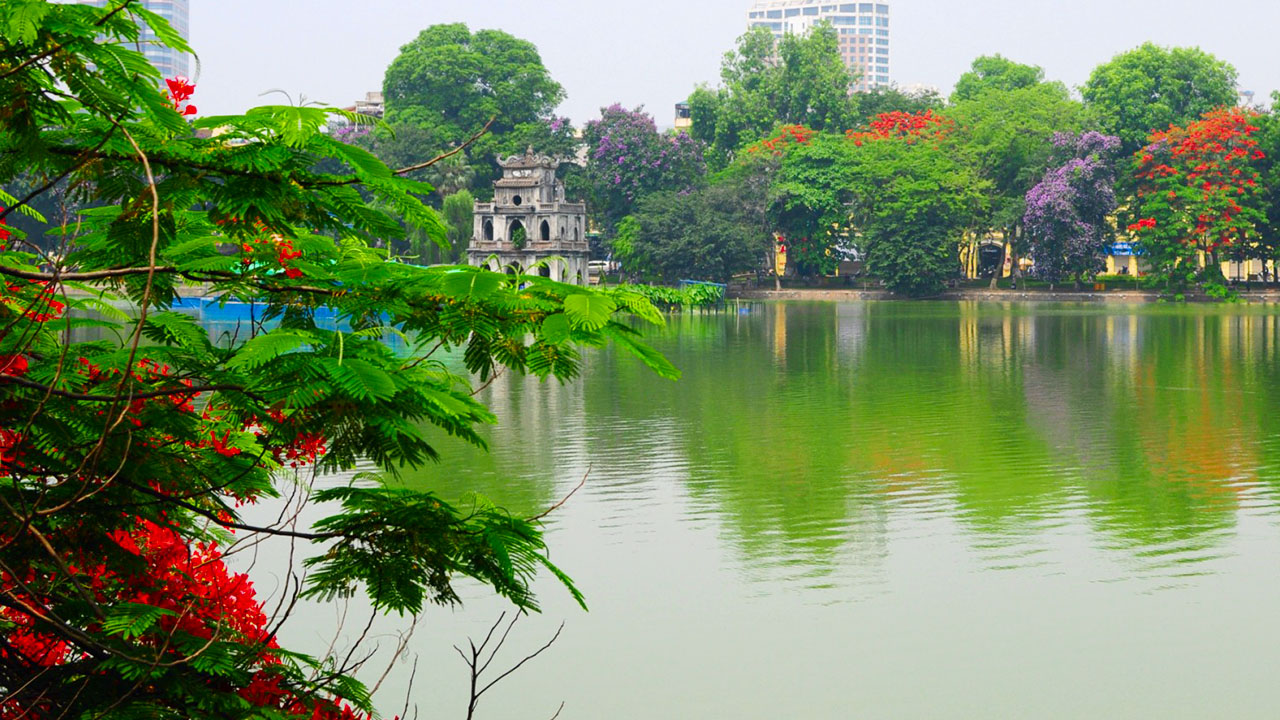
x=564 y=499
x=59 y=46
x=526 y=659
x=422 y=166
x=209 y=514
x=184 y=390
x=93 y=275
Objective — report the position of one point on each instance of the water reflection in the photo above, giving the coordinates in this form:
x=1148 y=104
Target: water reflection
x=812 y=436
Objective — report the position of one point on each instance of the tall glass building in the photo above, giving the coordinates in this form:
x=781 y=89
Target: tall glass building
x=863 y=28
x=169 y=62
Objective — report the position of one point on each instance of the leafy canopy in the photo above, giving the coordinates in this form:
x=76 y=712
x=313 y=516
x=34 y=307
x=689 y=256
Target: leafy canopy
x=1150 y=88
x=131 y=438
x=799 y=79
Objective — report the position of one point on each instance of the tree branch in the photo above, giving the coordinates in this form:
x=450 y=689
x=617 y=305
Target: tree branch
x=184 y=390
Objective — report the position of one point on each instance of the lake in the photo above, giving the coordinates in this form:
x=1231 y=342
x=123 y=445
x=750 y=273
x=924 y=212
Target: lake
x=890 y=510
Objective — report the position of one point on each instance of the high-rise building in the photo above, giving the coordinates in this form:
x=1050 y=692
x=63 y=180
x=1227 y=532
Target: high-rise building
x=863 y=28
x=169 y=62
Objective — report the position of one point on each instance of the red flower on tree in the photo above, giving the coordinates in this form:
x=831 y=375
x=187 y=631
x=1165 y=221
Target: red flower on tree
x=900 y=124
x=180 y=89
x=788 y=135
x=1197 y=188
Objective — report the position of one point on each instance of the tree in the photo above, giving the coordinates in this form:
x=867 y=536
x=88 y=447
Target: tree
x=458 y=211
x=1199 y=191
x=451 y=176
x=1068 y=213
x=1006 y=136
x=1269 y=143
x=798 y=80
x=1151 y=88
x=912 y=199
x=883 y=100
x=454 y=81
x=449 y=83
x=893 y=191
x=126 y=460
x=627 y=158
x=995 y=72
x=811 y=197
x=709 y=234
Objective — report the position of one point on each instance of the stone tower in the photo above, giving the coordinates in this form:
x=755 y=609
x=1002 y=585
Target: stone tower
x=529 y=221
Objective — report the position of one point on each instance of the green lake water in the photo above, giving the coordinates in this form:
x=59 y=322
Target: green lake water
x=894 y=510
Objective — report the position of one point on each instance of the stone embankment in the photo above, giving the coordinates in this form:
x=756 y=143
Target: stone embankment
x=986 y=295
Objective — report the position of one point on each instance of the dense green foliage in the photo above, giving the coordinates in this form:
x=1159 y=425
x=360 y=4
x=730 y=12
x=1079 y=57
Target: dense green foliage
x=765 y=83
x=130 y=438
x=1004 y=128
x=697 y=295
x=455 y=80
x=449 y=83
x=912 y=200
x=458 y=211
x=1151 y=87
x=708 y=234
x=627 y=159
x=995 y=72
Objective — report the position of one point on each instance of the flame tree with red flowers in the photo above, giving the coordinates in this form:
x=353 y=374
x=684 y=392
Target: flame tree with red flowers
x=126 y=462
x=1199 y=195
x=891 y=193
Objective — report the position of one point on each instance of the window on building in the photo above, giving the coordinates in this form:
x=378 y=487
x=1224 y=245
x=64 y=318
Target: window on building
x=852 y=7
x=882 y=9
x=792 y=12
x=882 y=21
x=882 y=33
x=774 y=14
x=865 y=7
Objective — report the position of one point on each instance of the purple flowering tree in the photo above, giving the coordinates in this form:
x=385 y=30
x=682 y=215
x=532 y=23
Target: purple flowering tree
x=627 y=158
x=1068 y=214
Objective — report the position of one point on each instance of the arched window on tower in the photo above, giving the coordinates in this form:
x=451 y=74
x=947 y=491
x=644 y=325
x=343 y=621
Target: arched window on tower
x=516 y=235
x=546 y=231
x=488 y=231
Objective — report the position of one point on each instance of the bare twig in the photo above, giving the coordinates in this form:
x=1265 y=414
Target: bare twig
x=477 y=668
x=422 y=166
x=564 y=499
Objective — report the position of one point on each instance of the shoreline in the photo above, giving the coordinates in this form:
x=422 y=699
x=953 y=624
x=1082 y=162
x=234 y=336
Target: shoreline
x=987 y=295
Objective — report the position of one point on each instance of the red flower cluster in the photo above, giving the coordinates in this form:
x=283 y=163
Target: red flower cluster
x=180 y=90
x=900 y=124
x=41 y=307
x=787 y=135
x=1196 y=179
x=13 y=365
x=281 y=246
x=197 y=595
x=306 y=448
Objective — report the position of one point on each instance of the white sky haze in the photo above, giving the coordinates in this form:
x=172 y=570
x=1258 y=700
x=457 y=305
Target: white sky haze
x=653 y=52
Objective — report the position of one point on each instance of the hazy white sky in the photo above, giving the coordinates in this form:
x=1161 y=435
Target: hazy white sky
x=653 y=52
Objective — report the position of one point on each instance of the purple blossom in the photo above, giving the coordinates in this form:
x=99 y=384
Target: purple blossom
x=629 y=158
x=1067 y=213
